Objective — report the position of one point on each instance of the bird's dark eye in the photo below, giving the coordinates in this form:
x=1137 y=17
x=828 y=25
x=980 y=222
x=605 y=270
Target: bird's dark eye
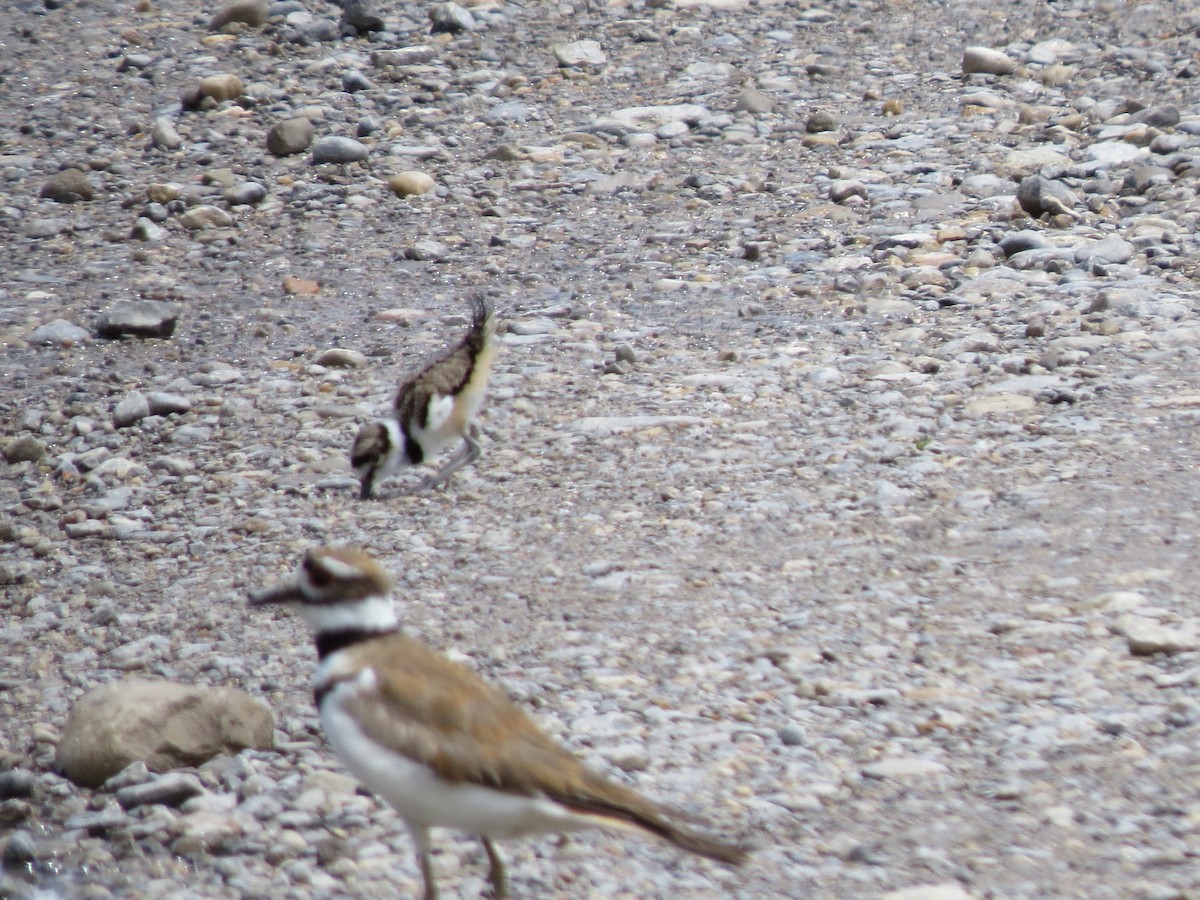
x=318 y=576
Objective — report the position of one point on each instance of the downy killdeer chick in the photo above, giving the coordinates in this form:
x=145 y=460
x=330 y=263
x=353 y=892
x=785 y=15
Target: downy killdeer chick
x=434 y=740
x=432 y=410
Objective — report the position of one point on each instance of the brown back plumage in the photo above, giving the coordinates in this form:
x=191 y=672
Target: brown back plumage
x=452 y=370
x=434 y=711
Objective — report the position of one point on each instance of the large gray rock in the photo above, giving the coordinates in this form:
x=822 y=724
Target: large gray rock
x=164 y=724
x=138 y=318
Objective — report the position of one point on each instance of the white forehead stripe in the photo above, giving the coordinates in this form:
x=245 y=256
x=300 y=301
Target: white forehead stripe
x=340 y=569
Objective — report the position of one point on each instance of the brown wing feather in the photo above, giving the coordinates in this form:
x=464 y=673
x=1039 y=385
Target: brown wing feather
x=433 y=710
x=449 y=372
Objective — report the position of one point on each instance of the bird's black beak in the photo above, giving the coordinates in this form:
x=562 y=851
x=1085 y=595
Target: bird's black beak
x=281 y=593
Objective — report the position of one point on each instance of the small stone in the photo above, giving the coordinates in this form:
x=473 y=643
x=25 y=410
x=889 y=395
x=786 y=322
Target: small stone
x=164 y=404
x=843 y=189
x=25 y=448
x=221 y=87
x=163 y=192
x=822 y=120
x=139 y=318
x=171 y=789
x=1112 y=250
x=245 y=194
x=903 y=768
x=986 y=61
x=580 y=53
x=163 y=134
x=946 y=891
x=354 y=81
x=341 y=358
x=245 y=12
x=792 y=736
x=338 y=149
x=404 y=56
x=290 y=136
x=411 y=184
x=1020 y=241
x=450 y=18
x=17 y=783
x=205 y=216
x=44 y=227
x=19 y=850
x=754 y=102
x=426 y=251
x=60 y=332
x=68 y=186
x=1040 y=196
x=300 y=287
x=147 y=230
x=130 y=409
x=1147 y=637
x=623 y=353
x=1165 y=116
x=630 y=757
x=360 y=15
x=204 y=833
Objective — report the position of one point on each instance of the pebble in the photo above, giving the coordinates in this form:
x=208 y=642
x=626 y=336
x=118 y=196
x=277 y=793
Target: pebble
x=225 y=86
x=247 y=193
x=580 y=53
x=19 y=850
x=171 y=789
x=245 y=12
x=1040 y=196
x=68 y=186
x=450 y=18
x=164 y=135
x=341 y=358
x=17 y=783
x=138 y=318
x=987 y=61
x=1147 y=637
x=411 y=184
x=336 y=149
x=131 y=408
x=903 y=769
x=205 y=216
x=145 y=229
x=59 y=332
x=162 y=403
x=291 y=136
x=25 y=448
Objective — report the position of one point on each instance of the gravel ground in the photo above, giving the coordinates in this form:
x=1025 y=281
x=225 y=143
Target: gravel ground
x=827 y=495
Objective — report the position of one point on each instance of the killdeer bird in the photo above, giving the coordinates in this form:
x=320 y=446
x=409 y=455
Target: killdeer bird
x=432 y=410
x=437 y=742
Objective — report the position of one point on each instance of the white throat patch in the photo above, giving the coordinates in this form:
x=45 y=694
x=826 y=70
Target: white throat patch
x=369 y=614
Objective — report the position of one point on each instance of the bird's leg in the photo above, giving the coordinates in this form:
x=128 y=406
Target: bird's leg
x=464 y=457
x=421 y=838
x=496 y=871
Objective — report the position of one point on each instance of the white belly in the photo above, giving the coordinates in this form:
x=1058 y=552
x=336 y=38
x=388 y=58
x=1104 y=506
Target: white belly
x=423 y=799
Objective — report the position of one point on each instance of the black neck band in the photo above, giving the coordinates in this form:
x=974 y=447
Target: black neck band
x=412 y=449
x=332 y=641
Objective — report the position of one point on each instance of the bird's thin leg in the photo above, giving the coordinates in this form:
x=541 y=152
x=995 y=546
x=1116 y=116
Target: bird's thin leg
x=464 y=457
x=421 y=838
x=496 y=872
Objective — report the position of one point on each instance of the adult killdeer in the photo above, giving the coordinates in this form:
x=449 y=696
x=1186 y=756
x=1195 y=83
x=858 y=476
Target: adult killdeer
x=433 y=409
x=437 y=742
